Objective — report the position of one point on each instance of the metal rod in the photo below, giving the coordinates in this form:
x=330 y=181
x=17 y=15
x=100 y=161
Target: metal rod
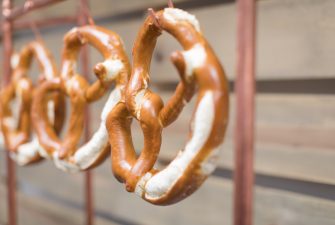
x=7 y=53
x=24 y=24
x=26 y=8
x=245 y=107
x=61 y=22
x=89 y=208
x=170 y=4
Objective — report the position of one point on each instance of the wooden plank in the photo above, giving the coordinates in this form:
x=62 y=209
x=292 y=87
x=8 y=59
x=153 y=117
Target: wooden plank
x=272 y=206
x=98 y=8
x=34 y=209
x=294 y=137
x=283 y=50
x=289 y=47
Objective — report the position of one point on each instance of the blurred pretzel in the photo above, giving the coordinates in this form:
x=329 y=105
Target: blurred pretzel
x=14 y=62
x=199 y=69
x=114 y=69
x=16 y=101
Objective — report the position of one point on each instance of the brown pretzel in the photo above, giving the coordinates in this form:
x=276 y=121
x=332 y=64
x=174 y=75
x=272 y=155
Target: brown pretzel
x=14 y=62
x=198 y=67
x=15 y=120
x=114 y=68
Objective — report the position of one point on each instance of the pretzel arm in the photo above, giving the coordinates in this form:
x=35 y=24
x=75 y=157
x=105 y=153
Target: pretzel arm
x=26 y=92
x=21 y=133
x=6 y=95
x=59 y=111
x=96 y=91
x=42 y=125
x=76 y=126
x=182 y=95
x=119 y=121
x=152 y=132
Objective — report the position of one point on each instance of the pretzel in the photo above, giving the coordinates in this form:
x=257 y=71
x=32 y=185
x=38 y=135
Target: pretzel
x=14 y=62
x=198 y=68
x=114 y=69
x=15 y=119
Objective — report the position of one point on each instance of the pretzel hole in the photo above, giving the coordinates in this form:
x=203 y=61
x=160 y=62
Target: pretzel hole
x=164 y=79
x=94 y=57
x=176 y=135
x=95 y=107
x=137 y=134
x=162 y=70
x=34 y=73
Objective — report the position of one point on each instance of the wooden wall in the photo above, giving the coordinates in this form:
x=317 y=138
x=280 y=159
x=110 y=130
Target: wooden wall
x=295 y=121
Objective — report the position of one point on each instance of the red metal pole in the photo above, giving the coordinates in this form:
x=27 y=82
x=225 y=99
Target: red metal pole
x=85 y=69
x=88 y=174
x=24 y=24
x=30 y=6
x=245 y=107
x=7 y=53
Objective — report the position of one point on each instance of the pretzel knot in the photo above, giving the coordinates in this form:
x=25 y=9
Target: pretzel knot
x=16 y=101
x=200 y=70
x=114 y=69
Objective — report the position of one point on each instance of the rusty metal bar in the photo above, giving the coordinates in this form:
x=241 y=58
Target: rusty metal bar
x=24 y=24
x=89 y=208
x=29 y=6
x=138 y=12
x=7 y=30
x=245 y=107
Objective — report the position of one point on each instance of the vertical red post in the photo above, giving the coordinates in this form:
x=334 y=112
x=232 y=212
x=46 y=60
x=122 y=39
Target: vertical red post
x=7 y=27
x=89 y=209
x=245 y=107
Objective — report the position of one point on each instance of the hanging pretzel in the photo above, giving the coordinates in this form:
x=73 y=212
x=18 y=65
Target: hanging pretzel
x=14 y=62
x=114 y=68
x=16 y=101
x=199 y=68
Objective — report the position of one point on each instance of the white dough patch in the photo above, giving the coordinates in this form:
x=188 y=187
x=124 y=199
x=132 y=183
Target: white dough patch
x=11 y=122
x=51 y=116
x=72 y=84
x=44 y=153
x=175 y=15
x=194 y=58
x=103 y=37
x=113 y=99
x=209 y=164
x=51 y=111
x=30 y=150
x=113 y=68
x=88 y=153
x=14 y=60
x=47 y=66
x=64 y=165
x=68 y=67
x=22 y=83
x=2 y=141
x=163 y=181
x=139 y=189
x=139 y=99
x=15 y=107
x=26 y=152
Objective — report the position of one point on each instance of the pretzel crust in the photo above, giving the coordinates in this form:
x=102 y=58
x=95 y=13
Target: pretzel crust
x=16 y=120
x=198 y=68
x=14 y=61
x=114 y=69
